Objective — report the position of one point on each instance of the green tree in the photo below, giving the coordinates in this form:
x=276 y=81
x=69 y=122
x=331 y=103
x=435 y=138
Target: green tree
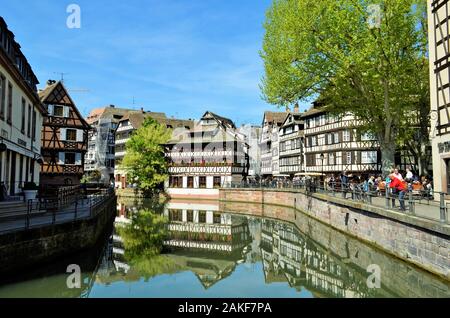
x=366 y=57
x=144 y=159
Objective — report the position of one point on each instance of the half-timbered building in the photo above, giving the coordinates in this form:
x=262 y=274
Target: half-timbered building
x=203 y=159
x=21 y=115
x=291 y=136
x=439 y=54
x=333 y=144
x=64 y=137
x=269 y=142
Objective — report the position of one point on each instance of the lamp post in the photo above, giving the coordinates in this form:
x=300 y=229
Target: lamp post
x=3 y=147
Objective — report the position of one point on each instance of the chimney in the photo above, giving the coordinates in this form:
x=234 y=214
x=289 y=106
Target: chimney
x=142 y=109
x=296 y=108
x=112 y=106
x=51 y=82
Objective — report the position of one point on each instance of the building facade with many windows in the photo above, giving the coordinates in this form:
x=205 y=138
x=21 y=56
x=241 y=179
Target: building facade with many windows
x=21 y=116
x=101 y=141
x=252 y=136
x=269 y=142
x=205 y=158
x=333 y=144
x=291 y=145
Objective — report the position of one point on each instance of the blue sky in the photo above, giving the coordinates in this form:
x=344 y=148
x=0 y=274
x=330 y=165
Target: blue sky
x=181 y=57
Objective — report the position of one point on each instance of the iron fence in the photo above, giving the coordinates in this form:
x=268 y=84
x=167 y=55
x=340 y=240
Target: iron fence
x=423 y=204
x=49 y=211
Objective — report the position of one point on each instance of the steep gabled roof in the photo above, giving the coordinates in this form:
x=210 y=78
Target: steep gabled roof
x=220 y=119
x=107 y=112
x=314 y=111
x=56 y=93
x=276 y=118
x=297 y=119
x=137 y=118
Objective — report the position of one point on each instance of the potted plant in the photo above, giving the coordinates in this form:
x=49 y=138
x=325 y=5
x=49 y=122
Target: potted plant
x=30 y=190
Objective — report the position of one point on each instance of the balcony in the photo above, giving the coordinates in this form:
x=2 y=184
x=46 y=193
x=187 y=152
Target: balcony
x=291 y=152
x=206 y=164
x=62 y=169
x=122 y=141
x=120 y=154
x=292 y=135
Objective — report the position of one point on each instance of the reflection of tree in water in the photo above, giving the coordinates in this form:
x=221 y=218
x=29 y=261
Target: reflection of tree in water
x=147 y=244
x=145 y=235
x=143 y=241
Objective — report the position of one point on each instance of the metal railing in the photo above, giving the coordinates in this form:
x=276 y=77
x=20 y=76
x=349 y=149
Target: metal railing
x=44 y=211
x=421 y=204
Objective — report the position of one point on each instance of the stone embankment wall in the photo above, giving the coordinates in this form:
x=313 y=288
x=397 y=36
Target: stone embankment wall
x=401 y=278
x=425 y=243
x=22 y=249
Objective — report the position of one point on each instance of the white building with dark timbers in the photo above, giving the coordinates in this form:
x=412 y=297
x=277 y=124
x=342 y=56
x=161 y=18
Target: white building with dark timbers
x=291 y=144
x=439 y=47
x=205 y=158
x=269 y=142
x=333 y=144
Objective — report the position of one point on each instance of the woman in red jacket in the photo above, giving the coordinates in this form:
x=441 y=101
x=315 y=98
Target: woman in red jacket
x=402 y=189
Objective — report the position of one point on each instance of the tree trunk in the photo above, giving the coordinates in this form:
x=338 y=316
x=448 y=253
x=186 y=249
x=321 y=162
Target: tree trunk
x=387 y=157
x=423 y=164
x=387 y=140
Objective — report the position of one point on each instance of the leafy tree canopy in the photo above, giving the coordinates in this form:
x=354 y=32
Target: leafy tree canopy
x=144 y=159
x=367 y=57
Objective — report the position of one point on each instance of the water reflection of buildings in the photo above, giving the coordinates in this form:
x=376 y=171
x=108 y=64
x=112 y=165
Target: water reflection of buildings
x=201 y=240
x=203 y=227
x=290 y=256
x=210 y=242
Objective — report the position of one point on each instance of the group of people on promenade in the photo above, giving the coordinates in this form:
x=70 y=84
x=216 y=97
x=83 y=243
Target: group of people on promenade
x=397 y=184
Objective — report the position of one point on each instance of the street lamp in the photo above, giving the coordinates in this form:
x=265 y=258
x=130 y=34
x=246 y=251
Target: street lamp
x=3 y=147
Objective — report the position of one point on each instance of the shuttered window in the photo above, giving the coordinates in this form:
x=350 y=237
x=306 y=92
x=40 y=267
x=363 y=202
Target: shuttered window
x=10 y=102
x=29 y=121
x=22 y=126
x=58 y=111
x=71 y=135
x=2 y=96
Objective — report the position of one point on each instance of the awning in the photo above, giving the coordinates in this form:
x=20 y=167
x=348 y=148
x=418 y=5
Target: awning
x=312 y=174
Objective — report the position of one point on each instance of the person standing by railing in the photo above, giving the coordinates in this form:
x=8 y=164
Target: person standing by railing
x=389 y=190
x=344 y=184
x=401 y=188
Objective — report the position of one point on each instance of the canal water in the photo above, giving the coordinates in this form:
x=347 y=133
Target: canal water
x=212 y=249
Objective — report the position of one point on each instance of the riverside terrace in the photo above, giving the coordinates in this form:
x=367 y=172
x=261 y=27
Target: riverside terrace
x=419 y=235
x=44 y=229
x=420 y=205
